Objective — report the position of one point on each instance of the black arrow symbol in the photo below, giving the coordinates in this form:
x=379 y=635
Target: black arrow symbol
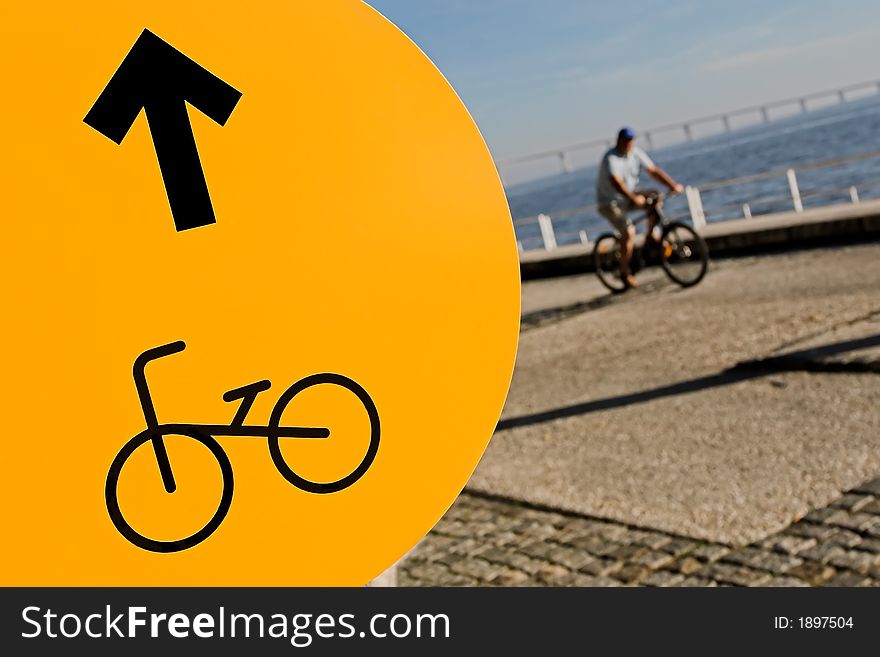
x=160 y=79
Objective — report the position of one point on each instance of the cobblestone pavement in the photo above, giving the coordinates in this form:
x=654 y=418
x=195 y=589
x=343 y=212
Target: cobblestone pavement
x=484 y=541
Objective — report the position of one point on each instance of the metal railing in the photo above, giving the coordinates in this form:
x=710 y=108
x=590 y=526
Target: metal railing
x=562 y=155
x=793 y=198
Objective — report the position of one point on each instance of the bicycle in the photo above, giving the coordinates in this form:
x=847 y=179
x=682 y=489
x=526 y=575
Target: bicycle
x=273 y=431
x=683 y=254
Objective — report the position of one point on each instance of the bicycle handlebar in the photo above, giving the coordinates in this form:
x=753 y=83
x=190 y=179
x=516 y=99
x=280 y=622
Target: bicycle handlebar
x=164 y=350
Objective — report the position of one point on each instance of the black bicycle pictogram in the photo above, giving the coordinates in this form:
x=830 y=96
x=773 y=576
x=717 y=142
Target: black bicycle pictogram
x=204 y=434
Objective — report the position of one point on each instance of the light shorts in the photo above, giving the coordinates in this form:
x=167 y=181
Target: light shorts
x=617 y=216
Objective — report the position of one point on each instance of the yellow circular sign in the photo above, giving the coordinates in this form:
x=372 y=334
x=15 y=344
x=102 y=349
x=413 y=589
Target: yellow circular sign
x=261 y=294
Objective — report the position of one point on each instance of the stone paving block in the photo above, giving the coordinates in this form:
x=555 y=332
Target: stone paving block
x=438 y=543
x=853 y=502
x=550 y=572
x=870 y=545
x=823 y=552
x=820 y=515
x=605 y=581
x=513 y=559
x=786 y=582
x=653 y=559
x=843 y=537
x=497 y=555
x=454 y=529
x=710 y=552
x=524 y=562
x=855 y=560
x=538 y=549
x=663 y=578
x=686 y=566
x=628 y=552
x=652 y=540
x=809 y=530
x=595 y=545
x=535 y=529
x=469 y=546
x=475 y=568
x=754 y=558
x=847 y=578
x=872 y=507
x=632 y=572
x=481 y=515
x=680 y=546
x=509 y=577
x=582 y=579
x=601 y=567
x=431 y=572
x=787 y=544
x=698 y=581
x=812 y=572
x=571 y=558
x=501 y=538
x=854 y=521
x=608 y=531
x=731 y=574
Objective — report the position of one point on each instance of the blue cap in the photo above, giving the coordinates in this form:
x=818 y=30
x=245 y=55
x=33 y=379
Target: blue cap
x=626 y=134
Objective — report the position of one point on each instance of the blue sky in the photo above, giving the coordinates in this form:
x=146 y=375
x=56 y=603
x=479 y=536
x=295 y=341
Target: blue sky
x=537 y=74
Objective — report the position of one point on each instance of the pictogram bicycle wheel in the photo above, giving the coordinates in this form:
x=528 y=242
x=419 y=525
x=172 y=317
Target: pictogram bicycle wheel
x=275 y=420
x=177 y=545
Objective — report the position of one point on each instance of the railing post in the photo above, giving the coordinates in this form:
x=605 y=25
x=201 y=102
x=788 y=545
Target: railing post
x=854 y=194
x=842 y=95
x=564 y=162
x=583 y=236
x=795 y=192
x=726 y=121
x=747 y=211
x=649 y=142
x=765 y=114
x=803 y=102
x=687 y=132
x=546 y=226
x=695 y=205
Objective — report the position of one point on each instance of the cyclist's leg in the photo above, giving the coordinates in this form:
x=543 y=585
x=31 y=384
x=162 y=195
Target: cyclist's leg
x=626 y=233
x=650 y=212
x=627 y=239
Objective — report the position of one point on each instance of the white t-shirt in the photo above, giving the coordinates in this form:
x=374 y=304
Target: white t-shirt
x=627 y=167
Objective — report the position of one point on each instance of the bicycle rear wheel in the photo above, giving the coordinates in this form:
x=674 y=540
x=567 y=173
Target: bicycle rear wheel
x=606 y=261
x=684 y=254
x=111 y=492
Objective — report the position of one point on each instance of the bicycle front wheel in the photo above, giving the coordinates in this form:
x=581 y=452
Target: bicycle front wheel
x=683 y=254
x=606 y=262
x=327 y=379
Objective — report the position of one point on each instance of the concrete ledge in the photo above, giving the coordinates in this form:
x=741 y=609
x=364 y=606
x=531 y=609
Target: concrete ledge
x=788 y=230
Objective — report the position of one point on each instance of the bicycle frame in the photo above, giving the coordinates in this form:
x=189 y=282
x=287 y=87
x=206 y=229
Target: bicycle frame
x=654 y=203
x=247 y=394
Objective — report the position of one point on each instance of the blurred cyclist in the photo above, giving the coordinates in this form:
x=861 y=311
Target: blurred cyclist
x=617 y=196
